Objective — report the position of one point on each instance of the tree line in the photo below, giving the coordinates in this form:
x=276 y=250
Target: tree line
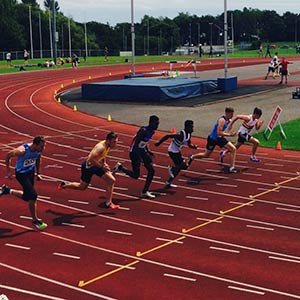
x=153 y=35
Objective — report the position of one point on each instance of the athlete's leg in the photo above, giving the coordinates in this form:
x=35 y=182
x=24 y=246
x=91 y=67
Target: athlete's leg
x=232 y=149
x=110 y=182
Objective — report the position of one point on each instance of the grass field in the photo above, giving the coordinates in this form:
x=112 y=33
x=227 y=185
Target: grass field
x=291 y=130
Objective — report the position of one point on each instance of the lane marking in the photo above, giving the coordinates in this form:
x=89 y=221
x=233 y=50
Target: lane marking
x=59 y=155
x=118 y=265
x=245 y=290
x=26 y=217
x=119 y=232
x=285 y=259
x=17 y=246
x=30 y=292
x=260 y=227
x=252 y=174
x=227 y=185
x=180 y=277
x=197 y=198
x=73 y=225
x=66 y=255
x=273 y=165
x=268 y=190
x=84 y=283
x=202 y=225
x=168 y=240
x=235 y=202
x=124 y=208
x=78 y=202
x=121 y=188
x=204 y=219
x=161 y=213
x=59 y=283
x=288 y=209
x=224 y=249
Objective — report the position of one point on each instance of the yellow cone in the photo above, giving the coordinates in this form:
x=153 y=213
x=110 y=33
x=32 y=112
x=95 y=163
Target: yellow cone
x=74 y=81
x=62 y=85
x=109 y=118
x=58 y=100
x=90 y=77
x=75 y=108
x=55 y=92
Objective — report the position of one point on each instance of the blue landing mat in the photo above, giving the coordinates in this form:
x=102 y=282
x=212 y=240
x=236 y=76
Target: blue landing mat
x=148 y=89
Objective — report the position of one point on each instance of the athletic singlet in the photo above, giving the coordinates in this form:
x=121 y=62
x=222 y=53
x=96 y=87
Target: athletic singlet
x=176 y=145
x=101 y=155
x=143 y=143
x=214 y=133
x=247 y=126
x=26 y=162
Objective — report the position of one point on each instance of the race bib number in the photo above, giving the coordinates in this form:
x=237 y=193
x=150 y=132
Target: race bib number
x=29 y=162
x=142 y=144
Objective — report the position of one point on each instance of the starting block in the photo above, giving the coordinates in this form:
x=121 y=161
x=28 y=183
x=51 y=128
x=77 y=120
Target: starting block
x=296 y=94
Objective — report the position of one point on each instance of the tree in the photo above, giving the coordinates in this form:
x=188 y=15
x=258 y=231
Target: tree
x=30 y=2
x=48 y=5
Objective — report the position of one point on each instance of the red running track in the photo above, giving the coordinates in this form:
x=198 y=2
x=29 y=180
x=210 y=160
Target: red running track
x=216 y=236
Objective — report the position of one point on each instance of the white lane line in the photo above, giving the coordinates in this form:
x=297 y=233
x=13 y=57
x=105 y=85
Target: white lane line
x=120 y=188
x=293 y=156
x=124 y=208
x=167 y=240
x=188 y=181
x=239 y=203
x=245 y=290
x=29 y=292
x=212 y=170
x=161 y=213
x=120 y=266
x=59 y=283
x=197 y=198
x=68 y=137
x=155 y=177
x=274 y=165
x=260 y=227
x=53 y=166
x=73 y=225
x=25 y=217
x=227 y=185
x=224 y=249
x=119 y=232
x=288 y=209
x=116 y=150
x=66 y=255
x=264 y=189
x=252 y=174
x=78 y=202
x=44 y=197
x=17 y=246
x=60 y=155
x=285 y=259
x=209 y=220
x=179 y=277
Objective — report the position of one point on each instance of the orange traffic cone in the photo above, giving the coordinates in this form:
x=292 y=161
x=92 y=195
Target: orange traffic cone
x=278 y=147
x=173 y=130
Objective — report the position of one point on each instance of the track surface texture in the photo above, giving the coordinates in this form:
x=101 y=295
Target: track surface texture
x=215 y=236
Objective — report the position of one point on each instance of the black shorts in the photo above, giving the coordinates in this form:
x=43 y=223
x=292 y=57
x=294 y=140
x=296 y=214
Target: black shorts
x=138 y=157
x=284 y=72
x=244 y=137
x=87 y=173
x=211 y=143
x=177 y=158
x=271 y=69
x=27 y=182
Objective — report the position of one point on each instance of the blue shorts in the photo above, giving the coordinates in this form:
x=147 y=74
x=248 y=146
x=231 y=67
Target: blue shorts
x=87 y=173
x=211 y=143
x=27 y=182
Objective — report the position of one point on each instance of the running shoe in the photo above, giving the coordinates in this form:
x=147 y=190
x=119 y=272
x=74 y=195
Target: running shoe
x=254 y=159
x=112 y=205
x=4 y=190
x=222 y=155
x=170 y=185
x=62 y=185
x=190 y=159
x=117 y=168
x=233 y=170
x=3 y=297
x=170 y=172
x=148 y=194
x=39 y=225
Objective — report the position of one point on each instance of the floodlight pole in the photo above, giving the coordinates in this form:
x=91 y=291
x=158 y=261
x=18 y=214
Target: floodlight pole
x=132 y=41
x=225 y=39
x=40 y=33
x=30 y=29
x=54 y=36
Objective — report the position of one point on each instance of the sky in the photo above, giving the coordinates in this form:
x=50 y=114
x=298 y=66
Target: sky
x=119 y=11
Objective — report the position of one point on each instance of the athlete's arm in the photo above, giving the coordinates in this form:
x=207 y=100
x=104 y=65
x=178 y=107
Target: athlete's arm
x=238 y=117
x=139 y=136
x=13 y=153
x=95 y=153
x=193 y=146
x=259 y=124
x=220 y=131
x=170 y=136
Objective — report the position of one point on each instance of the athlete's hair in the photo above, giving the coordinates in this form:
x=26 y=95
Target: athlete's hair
x=153 y=118
x=188 y=123
x=257 y=111
x=111 y=135
x=38 y=139
x=229 y=110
